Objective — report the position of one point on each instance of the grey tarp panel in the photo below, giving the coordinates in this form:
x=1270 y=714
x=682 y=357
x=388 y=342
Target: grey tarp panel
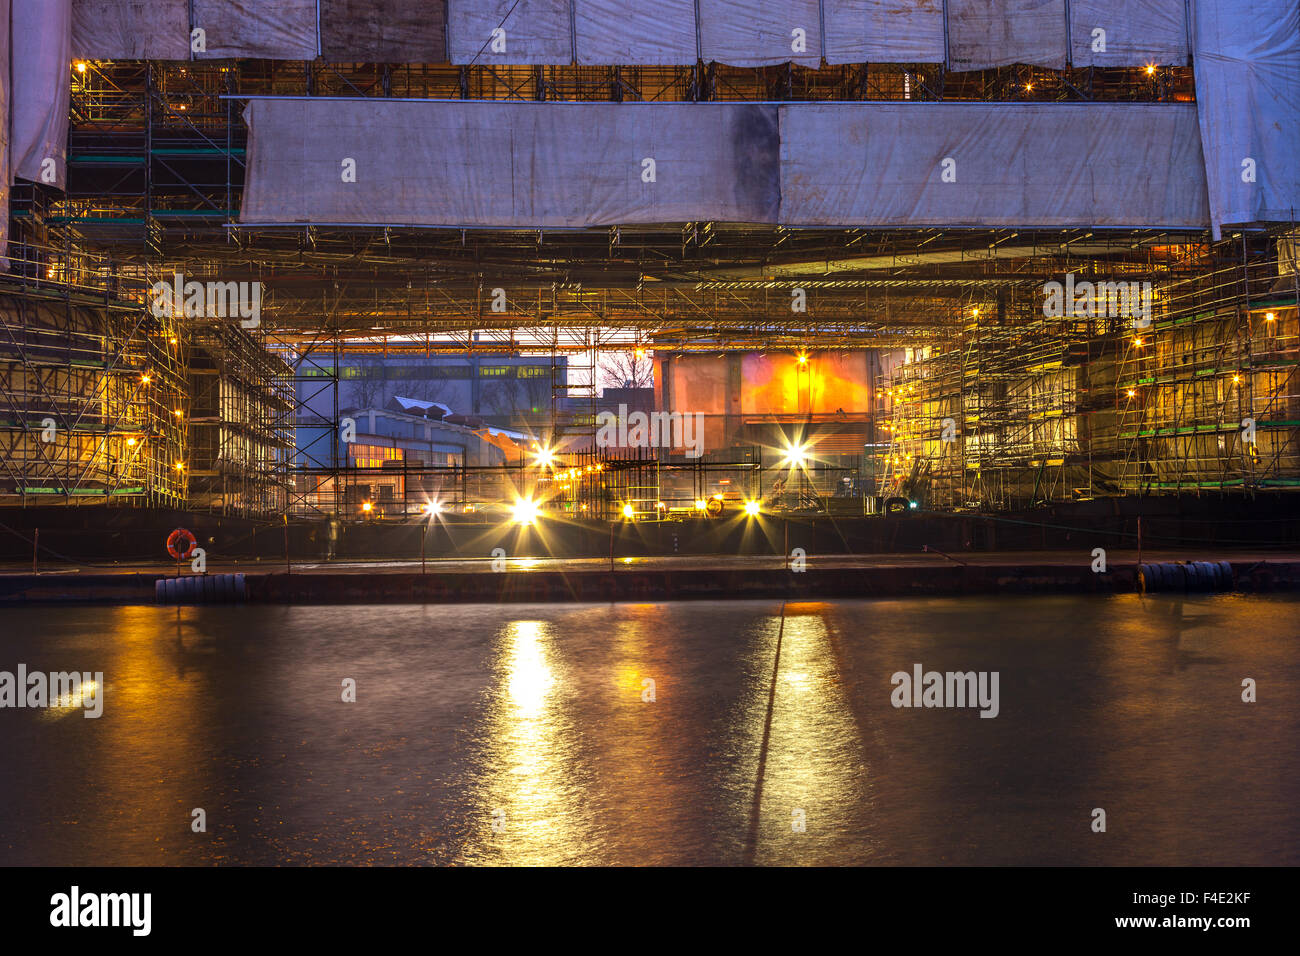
x=1016 y=164
x=383 y=31
x=988 y=33
x=4 y=137
x=884 y=31
x=661 y=33
x=1136 y=32
x=1247 y=67
x=131 y=29
x=284 y=30
x=761 y=32
x=40 y=64
x=527 y=165
x=535 y=31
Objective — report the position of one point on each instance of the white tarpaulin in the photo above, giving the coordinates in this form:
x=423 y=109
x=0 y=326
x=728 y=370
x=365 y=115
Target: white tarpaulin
x=884 y=31
x=658 y=33
x=531 y=31
x=988 y=33
x=1050 y=165
x=131 y=29
x=40 y=65
x=1128 y=32
x=526 y=165
x=761 y=32
x=383 y=31
x=1247 y=66
x=283 y=30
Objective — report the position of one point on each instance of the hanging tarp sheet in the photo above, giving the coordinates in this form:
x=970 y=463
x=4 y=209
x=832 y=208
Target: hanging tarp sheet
x=629 y=32
x=131 y=29
x=1130 y=165
x=1247 y=66
x=284 y=30
x=4 y=137
x=884 y=31
x=383 y=31
x=39 y=67
x=988 y=33
x=761 y=32
x=526 y=165
x=510 y=31
x=1128 y=32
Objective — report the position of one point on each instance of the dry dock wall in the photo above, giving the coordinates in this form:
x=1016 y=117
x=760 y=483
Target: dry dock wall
x=636 y=585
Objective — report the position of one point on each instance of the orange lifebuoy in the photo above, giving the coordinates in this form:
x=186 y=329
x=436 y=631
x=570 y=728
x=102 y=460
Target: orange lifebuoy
x=175 y=538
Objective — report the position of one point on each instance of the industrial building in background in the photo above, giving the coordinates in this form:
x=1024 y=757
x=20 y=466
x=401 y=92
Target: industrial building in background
x=966 y=256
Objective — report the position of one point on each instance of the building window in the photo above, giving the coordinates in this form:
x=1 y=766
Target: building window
x=372 y=456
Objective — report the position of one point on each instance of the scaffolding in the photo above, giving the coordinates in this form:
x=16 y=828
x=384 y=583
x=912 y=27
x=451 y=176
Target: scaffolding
x=240 y=398
x=93 y=385
x=993 y=410
x=1200 y=395
x=1208 y=398
x=573 y=389
x=1000 y=420
x=110 y=394
x=589 y=484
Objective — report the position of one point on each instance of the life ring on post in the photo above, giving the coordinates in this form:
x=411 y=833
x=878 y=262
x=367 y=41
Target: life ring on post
x=175 y=538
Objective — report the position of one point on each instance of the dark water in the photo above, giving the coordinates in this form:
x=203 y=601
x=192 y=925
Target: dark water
x=535 y=714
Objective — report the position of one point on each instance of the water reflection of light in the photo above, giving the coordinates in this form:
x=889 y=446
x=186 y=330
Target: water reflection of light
x=527 y=754
x=64 y=704
x=529 y=677
x=154 y=723
x=814 y=760
x=87 y=692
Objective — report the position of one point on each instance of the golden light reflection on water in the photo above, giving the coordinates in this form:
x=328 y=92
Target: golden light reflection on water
x=807 y=753
x=530 y=678
x=151 y=723
x=650 y=759
x=530 y=819
x=1134 y=702
x=85 y=695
